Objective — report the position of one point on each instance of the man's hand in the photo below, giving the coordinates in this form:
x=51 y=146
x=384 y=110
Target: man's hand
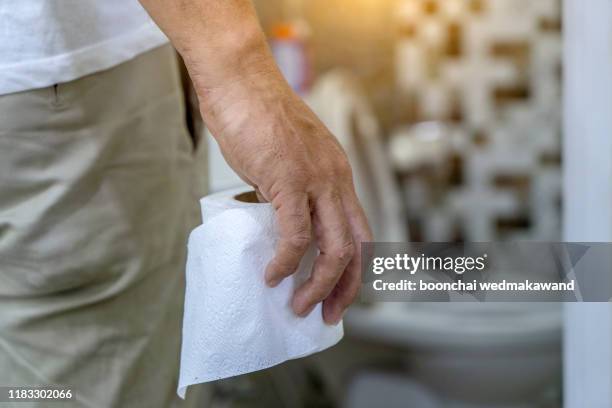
x=275 y=143
x=279 y=146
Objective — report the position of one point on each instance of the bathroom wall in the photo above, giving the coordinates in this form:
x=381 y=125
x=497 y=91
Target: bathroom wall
x=588 y=191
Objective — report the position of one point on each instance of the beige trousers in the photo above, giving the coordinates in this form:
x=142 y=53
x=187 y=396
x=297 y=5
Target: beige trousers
x=97 y=199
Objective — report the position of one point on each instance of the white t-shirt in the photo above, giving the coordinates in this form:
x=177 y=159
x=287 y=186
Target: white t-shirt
x=44 y=42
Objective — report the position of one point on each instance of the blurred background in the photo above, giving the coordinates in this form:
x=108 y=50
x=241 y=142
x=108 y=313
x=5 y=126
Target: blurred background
x=451 y=114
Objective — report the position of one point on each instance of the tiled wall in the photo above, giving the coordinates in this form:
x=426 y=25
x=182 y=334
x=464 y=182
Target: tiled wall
x=491 y=71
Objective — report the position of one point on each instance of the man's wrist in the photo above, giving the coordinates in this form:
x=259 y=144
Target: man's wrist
x=249 y=76
x=255 y=94
x=229 y=58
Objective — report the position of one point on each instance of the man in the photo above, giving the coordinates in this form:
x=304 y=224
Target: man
x=97 y=197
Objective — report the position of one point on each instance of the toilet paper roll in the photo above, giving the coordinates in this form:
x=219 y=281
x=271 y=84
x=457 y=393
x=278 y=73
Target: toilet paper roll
x=233 y=322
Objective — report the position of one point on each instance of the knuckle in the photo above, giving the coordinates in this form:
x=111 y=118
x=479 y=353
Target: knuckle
x=299 y=242
x=343 y=169
x=344 y=253
x=299 y=175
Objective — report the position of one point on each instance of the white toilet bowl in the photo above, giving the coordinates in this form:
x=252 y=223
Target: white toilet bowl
x=472 y=354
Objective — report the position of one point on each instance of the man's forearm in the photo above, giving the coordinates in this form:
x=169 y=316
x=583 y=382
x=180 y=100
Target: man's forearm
x=221 y=41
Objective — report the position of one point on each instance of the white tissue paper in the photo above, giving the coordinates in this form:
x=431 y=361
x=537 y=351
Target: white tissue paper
x=233 y=322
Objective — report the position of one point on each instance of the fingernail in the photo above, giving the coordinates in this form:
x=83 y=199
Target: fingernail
x=339 y=318
x=308 y=311
x=302 y=310
x=273 y=282
x=337 y=322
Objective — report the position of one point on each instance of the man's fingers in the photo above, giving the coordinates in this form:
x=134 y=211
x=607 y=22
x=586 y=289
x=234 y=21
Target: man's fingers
x=349 y=284
x=336 y=251
x=342 y=296
x=293 y=216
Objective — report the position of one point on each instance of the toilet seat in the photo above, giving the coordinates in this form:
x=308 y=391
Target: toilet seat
x=484 y=324
x=467 y=325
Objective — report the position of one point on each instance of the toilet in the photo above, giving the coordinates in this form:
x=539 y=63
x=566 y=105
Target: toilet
x=472 y=355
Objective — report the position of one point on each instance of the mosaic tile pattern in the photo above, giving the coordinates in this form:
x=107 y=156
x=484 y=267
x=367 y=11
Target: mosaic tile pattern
x=491 y=71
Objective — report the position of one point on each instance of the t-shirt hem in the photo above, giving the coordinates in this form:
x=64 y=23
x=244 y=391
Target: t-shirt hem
x=67 y=67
